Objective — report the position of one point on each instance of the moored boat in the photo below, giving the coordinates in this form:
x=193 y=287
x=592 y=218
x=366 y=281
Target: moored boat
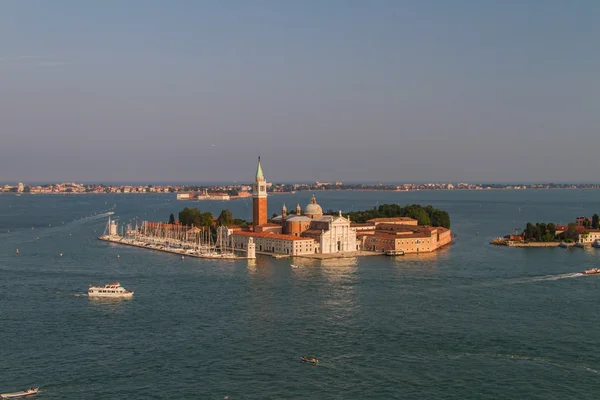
x=591 y=271
x=15 y=395
x=580 y=245
x=563 y=244
x=596 y=244
x=113 y=290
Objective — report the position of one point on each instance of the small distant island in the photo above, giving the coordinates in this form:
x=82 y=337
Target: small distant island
x=583 y=232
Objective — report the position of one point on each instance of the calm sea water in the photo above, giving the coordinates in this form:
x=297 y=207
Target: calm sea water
x=472 y=321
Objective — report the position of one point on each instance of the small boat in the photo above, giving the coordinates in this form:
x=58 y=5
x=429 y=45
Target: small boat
x=114 y=290
x=294 y=266
x=596 y=244
x=311 y=360
x=15 y=395
x=580 y=245
x=564 y=245
x=591 y=271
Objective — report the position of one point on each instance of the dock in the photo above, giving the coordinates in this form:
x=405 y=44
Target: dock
x=168 y=249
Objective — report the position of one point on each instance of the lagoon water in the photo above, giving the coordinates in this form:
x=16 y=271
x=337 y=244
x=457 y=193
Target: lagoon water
x=472 y=321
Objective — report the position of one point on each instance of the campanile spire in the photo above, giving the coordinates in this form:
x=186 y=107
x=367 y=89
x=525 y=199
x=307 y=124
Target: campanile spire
x=259 y=197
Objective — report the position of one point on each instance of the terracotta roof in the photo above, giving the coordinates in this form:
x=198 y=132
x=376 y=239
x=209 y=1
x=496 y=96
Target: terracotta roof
x=269 y=235
x=391 y=219
x=312 y=232
x=403 y=236
x=399 y=227
x=408 y=231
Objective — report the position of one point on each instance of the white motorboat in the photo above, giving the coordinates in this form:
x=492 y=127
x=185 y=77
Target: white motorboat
x=114 y=290
x=295 y=266
x=596 y=244
x=16 y=395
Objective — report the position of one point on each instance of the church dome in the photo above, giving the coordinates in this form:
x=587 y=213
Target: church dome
x=313 y=209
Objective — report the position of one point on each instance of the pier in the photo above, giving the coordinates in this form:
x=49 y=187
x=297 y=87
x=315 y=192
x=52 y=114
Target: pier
x=176 y=239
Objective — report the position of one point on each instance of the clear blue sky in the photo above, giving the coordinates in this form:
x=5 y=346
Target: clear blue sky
x=394 y=90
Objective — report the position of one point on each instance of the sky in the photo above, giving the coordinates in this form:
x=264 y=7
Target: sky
x=398 y=91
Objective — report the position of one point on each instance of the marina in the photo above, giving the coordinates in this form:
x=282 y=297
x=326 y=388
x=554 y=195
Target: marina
x=175 y=239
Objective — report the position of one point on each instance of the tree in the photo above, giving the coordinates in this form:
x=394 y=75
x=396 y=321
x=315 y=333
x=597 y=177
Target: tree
x=171 y=218
x=572 y=229
x=551 y=229
x=225 y=218
x=440 y=218
x=530 y=231
x=595 y=221
x=540 y=231
x=586 y=223
x=190 y=217
x=419 y=214
x=206 y=219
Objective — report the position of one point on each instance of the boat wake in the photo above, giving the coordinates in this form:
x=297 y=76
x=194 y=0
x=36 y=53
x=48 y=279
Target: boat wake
x=550 y=277
x=95 y=216
x=592 y=370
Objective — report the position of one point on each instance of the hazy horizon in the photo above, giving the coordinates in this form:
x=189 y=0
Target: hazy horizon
x=380 y=91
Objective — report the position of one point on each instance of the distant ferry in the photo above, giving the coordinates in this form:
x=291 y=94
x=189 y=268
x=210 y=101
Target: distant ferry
x=114 y=290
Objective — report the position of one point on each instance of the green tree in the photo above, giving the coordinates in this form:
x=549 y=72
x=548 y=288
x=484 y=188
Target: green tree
x=572 y=229
x=548 y=237
x=172 y=218
x=586 y=223
x=440 y=218
x=595 y=221
x=190 y=217
x=530 y=231
x=206 y=219
x=419 y=214
x=225 y=218
x=551 y=230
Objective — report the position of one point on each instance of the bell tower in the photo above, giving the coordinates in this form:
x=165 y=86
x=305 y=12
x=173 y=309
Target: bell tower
x=259 y=197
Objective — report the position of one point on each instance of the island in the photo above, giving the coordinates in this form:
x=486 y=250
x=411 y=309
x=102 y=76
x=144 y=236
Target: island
x=583 y=232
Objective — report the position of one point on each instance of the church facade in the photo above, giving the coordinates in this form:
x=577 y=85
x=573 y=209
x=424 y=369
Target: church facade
x=333 y=234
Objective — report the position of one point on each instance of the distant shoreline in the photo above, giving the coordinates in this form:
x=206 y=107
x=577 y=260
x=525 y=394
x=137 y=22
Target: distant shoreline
x=311 y=190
